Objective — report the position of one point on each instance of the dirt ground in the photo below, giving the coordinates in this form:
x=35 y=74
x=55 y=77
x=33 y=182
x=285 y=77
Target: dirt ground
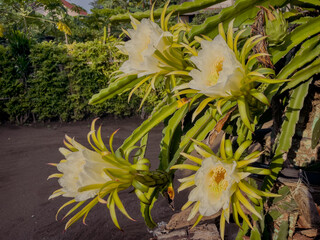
x=26 y=212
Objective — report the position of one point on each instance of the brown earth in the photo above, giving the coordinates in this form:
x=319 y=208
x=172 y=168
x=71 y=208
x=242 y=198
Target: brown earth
x=26 y=212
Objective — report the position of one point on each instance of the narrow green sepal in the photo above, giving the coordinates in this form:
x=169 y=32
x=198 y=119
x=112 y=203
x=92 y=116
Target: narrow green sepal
x=260 y=96
x=243 y=110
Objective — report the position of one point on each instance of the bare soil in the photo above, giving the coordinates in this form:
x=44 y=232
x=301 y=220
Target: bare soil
x=26 y=212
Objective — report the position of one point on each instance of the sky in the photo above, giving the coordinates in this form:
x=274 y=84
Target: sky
x=82 y=3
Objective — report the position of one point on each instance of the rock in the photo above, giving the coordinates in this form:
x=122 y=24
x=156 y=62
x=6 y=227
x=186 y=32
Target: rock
x=174 y=235
x=204 y=232
x=309 y=216
x=299 y=236
x=160 y=229
x=179 y=220
x=310 y=233
x=302 y=222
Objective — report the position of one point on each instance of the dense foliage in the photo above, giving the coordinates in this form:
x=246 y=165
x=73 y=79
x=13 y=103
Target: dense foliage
x=59 y=81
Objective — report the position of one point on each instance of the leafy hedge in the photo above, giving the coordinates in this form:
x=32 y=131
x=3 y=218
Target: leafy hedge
x=62 y=80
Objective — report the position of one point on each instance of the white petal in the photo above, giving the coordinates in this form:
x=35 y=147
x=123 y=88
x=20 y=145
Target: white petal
x=64 y=151
x=82 y=168
x=147 y=37
x=228 y=78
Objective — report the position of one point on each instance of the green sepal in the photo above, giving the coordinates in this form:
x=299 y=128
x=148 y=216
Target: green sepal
x=115 y=173
x=82 y=212
x=203 y=146
x=112 y=209
x=138 y=185
x=90 y=187
x=243 y=110
x=142 y=196
x=259 y=96
x=260 y=171
x=241 y=149
x=119 y=204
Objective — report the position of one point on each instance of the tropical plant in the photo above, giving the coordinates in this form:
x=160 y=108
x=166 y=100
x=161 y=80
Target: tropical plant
x=229 y=75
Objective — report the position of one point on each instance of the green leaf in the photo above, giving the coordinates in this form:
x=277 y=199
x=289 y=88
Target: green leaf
x=199 y=131
x=186 y=7
x=316 y=132
x=287 y=131
x=147 y=125
x=146 y=209
x=171 y=137
x=241 y=11
x=309 y=50
x=312 y=2
x=301 y=20
x=119 y=86
x=295 y=37
x=255 y=234
x=303 y=75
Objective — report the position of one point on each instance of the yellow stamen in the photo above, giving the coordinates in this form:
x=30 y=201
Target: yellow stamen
x=215 y=72
x=217 y=179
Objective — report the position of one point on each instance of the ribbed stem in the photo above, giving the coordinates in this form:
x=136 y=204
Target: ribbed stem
x=153 y=178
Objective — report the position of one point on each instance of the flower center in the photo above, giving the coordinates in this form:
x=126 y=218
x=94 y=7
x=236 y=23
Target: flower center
x=217 y=179
x=215 y=72
x=144 y=48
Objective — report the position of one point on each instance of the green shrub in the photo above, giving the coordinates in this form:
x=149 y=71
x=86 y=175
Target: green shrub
x=14 y=104
x=49 y=85
x=88 y=71
x=63 y=79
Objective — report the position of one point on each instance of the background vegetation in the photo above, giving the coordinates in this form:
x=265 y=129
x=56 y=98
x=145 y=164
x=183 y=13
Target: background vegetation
x=44 y=79
x=59 y=81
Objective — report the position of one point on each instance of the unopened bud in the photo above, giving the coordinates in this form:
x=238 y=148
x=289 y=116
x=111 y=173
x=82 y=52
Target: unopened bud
x=276 y=26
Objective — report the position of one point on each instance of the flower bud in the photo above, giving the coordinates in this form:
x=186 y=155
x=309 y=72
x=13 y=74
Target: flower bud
x=276 y=26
